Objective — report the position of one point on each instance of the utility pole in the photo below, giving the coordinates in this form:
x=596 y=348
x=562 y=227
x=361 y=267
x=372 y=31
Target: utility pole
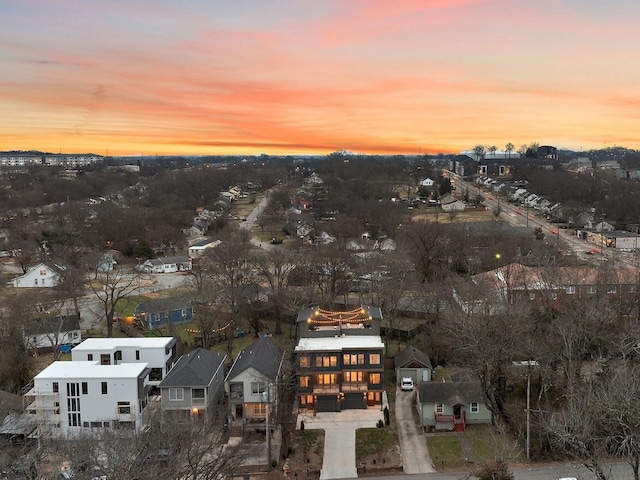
x=528 y=364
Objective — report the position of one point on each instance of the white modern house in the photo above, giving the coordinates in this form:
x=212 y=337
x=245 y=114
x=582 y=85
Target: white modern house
x=157 y=353
x=40 y=275
x=71 y=398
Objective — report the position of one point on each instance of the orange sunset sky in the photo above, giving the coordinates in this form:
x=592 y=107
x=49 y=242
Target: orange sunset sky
x=313 y=76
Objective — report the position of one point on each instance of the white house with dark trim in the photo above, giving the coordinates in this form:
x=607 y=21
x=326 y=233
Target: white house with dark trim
x=158 y=353
x=41 y=275
x=68 y=399
x=52 y=332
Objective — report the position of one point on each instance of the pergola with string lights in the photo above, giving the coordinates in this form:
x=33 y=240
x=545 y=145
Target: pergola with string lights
x=321 y=317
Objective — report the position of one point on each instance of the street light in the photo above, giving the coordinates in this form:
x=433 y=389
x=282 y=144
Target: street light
x=528 y=364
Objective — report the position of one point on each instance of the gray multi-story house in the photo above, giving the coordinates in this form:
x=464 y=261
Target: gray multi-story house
x=339 y=359
x=194 y=386
x=252 y=384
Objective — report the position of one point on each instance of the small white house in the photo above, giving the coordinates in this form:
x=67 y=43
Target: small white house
x=158 y=353
x=427 y=182
x=198 y=248
x=167 y=265
x=449 y=203
x=72 y=398
x=52 y=333
x=40 y=275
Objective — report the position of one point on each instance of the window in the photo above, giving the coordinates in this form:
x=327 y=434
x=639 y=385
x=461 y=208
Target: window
x=633 y=288
x=326 y=361
x=532 y=296
x=55 y=387
x=257 y=388
x=260 y=409
x=304 y=361
x=35 y=281
x=327 y=379
x=124 y=408
x=571 y=290
x=89 y=356
x=105 y=359
x=374 y=378
x=137 y=354
x=104 y=388
x=96 y=424
x=155 y=375
x=353 y=359
x=474 y=407
x=304 y=381
x=439 y=408
x=353 y=376
x=85 y=424
x=374 y=359
x=176 y=394
x=197 y=396
x=611 y=289
x=85 y=388
x=554 y=296
x=592 y=289
x=183 y=312
x=43 y=273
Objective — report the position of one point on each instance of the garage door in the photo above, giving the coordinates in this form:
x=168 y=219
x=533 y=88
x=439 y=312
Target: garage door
x=409 y=372
x=327 y=404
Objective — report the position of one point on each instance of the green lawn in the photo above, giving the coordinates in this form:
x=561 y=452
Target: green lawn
x=446 y=452
x=374 y=441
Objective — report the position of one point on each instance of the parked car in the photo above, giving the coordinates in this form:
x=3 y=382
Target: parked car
x=406 y=384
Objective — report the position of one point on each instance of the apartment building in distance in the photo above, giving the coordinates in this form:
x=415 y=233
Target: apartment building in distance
x=339 y=359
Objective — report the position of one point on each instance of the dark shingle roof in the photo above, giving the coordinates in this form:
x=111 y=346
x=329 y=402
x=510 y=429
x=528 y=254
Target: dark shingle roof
x=263 y=355
x=161 y=305
x=411 y=353
x=53 y=325
x=194 y=369
x=450 y=393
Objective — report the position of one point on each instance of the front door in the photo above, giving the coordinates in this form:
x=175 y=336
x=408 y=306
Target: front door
x=457 y=410
x=239 y=411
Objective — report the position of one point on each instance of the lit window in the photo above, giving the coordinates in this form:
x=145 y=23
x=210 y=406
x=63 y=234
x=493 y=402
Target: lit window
x=260 y=409
x=374 y=378
x=374 y=359
x=304 y=361
x=304 y=381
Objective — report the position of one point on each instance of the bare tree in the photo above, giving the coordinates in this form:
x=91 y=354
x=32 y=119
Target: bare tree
x=274 y=268
x=110 y=288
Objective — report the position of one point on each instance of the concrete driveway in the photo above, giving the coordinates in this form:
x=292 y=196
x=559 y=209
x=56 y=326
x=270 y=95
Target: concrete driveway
x=340 y=438
x=413 y=444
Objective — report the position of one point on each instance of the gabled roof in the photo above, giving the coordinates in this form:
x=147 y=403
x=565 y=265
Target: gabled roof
x=450 y=393
x=411 y=353
x=161 y=305
x=262 y=355
x=194 y=369
x=52 y=325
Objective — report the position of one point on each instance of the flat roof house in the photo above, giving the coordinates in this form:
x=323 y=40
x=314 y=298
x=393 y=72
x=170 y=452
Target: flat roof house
x=71 y=398
x=158 y=353
x=339 y=359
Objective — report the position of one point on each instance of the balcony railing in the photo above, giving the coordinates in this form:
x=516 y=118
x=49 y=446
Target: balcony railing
x=330 y=388
x=354 y=387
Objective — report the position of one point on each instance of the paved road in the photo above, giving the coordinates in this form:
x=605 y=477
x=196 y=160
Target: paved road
x=413 y=444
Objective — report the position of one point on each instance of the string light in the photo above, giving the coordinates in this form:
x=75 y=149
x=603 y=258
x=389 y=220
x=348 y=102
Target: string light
x=328 y=317
x=215 y=330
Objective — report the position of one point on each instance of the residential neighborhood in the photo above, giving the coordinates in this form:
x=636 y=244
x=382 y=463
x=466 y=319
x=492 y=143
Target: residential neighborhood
x=321 y=326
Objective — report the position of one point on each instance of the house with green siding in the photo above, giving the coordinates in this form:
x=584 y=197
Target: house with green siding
x=451 y=405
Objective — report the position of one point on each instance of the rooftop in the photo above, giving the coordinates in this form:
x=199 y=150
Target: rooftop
x=91 y=370
x=339 y=343
x=112 y=343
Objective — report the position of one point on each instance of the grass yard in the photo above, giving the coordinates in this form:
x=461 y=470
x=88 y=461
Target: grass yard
x=374 y=442
x=488 y=443
x=446 y=452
